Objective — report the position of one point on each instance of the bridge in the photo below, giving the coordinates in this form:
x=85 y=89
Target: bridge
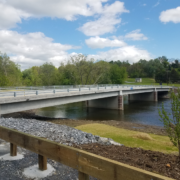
x=98 y=96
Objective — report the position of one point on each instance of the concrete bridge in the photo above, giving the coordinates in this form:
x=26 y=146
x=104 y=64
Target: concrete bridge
x=110 y=97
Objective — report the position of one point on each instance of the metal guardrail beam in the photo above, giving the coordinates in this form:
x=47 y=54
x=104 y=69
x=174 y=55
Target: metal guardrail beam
x=16 y=93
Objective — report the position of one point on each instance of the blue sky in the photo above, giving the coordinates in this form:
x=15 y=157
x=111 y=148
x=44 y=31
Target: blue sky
x=33 y=32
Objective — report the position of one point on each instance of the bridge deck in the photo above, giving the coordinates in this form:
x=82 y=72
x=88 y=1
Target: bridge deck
x=26 y=100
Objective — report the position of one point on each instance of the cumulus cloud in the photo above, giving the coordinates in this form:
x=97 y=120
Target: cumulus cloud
x=13 y=11
x=170 y=15
x=9 y=16
x=101 y=26
x=130 y=53
x=32 y=48
x=135 y=35
x=108 y=18
x=97 y=42
x=35 y=49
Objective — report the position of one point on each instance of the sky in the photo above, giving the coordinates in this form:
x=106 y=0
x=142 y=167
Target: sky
x=34 y=32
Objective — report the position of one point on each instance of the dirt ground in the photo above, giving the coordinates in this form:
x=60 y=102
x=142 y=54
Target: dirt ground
x=157 y=162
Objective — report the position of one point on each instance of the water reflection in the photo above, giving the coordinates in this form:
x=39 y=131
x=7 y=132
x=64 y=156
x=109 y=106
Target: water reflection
x=134 y=111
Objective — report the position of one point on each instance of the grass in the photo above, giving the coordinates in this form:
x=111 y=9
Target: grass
x=147 y=81
x=129 y=138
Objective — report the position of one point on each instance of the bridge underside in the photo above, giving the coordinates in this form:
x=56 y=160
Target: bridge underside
x=107 y=103
x=118 y=101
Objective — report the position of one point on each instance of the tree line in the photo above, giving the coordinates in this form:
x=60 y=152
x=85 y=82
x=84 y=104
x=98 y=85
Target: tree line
x=77 y=70
x=81 y=70
x=161 y=69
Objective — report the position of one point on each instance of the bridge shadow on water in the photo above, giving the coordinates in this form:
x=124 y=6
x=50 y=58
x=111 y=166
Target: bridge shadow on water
x=145 y=112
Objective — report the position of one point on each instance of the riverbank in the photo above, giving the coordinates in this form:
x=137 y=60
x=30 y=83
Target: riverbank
x=74 y=123
x=119 y=124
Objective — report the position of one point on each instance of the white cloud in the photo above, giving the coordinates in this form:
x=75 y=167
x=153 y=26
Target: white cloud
x=130 y=53
x=97 y=42
x=101 y=26
x=107 y=20
x=13 y=11
x=170 y=15
x=156 y=4
x=135 y=35
x=32 y=48
x=144 y=4
x=9 y=16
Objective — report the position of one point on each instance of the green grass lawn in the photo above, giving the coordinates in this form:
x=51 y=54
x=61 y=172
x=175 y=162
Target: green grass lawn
x=128 y=137
x=147 y=81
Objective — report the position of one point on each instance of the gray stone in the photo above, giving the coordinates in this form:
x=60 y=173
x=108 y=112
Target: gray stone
x=59 y=133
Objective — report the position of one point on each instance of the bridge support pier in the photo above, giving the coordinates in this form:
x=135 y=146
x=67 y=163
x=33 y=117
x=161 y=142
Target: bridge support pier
x=150 y=96
x=120 y=101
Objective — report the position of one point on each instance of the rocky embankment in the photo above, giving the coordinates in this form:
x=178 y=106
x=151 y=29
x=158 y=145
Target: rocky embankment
x=58 y=133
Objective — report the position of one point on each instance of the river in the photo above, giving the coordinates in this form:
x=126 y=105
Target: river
x=144 y=112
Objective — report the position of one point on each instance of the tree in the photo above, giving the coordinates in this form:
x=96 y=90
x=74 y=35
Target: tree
x=31 y=77
x=171 y=120
x=81 y=70
x=161 y=76
x=66 y=74
x=48 y=74
x=117 y=74
x=10 y=74
x=174 y=75
x=136 y=70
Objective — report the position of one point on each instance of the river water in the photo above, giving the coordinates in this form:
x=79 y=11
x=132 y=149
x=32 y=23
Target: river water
x=144 y=112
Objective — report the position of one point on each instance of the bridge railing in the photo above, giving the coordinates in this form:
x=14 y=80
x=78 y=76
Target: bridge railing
x=18 y=88
x=62 y=89
x=87 y=164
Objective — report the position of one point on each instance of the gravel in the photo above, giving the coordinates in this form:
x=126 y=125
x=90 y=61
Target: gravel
x=58 y=133
x=12 y=170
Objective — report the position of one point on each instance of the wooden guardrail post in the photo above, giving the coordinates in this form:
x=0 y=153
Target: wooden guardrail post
x=42 y=161
x=83 y=176
x=13 y=149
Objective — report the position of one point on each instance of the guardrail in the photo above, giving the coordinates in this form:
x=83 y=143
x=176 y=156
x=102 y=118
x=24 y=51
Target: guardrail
x=86 y=163
x=56 y=89
x=68 y=86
